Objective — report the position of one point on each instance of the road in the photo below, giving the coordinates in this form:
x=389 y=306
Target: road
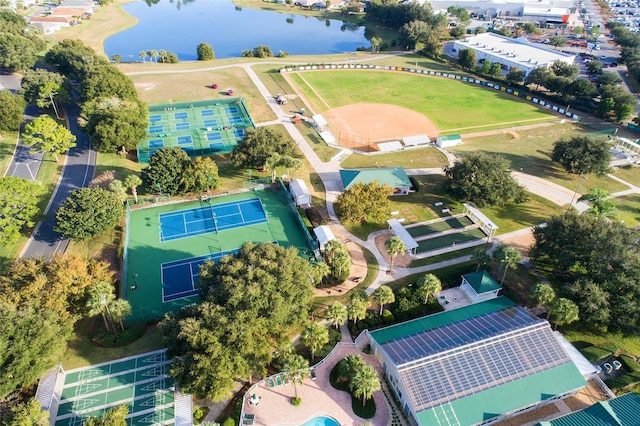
x=79 y=168
x=24 y=163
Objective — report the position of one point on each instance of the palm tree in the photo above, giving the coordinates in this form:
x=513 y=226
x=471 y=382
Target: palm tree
x=100 y=295
x=375 y=44
x=143 y=55
x=357 y=306
x=481 y=257
x=296 y=369
x=563 y=311
x=428 y=284
x=348 y=367
x=383 y=295
x=133 y=181
x=507 y=255
x=542 y=294
x=600 y=204
x=315 y=336
x=336 y=314
x=394 y=246
x=365 y=383
x=120 y=309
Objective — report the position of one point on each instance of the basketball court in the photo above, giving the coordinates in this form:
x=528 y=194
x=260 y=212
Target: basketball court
x=199 y=128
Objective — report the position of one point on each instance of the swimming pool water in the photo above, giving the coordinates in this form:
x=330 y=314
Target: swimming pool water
x=321 y=421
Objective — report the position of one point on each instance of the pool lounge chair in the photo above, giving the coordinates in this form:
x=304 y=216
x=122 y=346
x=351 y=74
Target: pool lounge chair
x=278 y=380
x=271 y=383
x=248 y=419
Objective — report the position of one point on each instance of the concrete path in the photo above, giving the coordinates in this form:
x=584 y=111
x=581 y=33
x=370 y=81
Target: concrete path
x=551 y=191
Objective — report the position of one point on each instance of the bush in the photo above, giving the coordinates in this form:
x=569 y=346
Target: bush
x=296 y=401
x=366 y=411
x=198 y=413
x=387 y=317
x=314 y=216
x=107 y=339
x=229 y=422
x=415 y=185
x=630 y=365
x=609 y=347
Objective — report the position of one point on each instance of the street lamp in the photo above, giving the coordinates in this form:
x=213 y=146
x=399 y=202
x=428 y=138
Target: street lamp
x=582 y=177
x=55 y=108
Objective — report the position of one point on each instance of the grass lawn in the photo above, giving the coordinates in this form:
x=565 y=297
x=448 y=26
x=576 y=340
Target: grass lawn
x=453 y=106
x=530 y=151
x=194 y=86
x=517 y=216
x=575 y=334
x=82 y=352
x=630 y=174
x=628 y=209
x=413 y=159
x=8 y=142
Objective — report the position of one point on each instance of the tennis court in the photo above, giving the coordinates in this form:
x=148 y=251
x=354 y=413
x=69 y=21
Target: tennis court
x=179 y=278
x=450 y=239
x=199 y=128
x=141 y=382
x=160 y=274
x=212 y=218
x=439 y=226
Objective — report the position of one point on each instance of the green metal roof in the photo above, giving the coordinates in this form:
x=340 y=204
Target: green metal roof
x=623 y=411
x=506 y=398
x=482 y=282
x=394 y=177
x=430 y=322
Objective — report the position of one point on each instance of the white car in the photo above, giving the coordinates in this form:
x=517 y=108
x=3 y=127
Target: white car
x=607 y=367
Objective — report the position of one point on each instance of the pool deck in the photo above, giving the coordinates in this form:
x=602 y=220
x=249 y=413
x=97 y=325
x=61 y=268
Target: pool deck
x=319 y=398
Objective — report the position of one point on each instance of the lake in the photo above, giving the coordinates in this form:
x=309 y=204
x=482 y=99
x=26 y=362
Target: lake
x=179 y=27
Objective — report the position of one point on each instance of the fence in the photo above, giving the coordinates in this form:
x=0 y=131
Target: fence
x=310 y=240
x=125 y=249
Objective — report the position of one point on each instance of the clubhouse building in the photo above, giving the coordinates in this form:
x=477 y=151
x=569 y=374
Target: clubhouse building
x=475 y=365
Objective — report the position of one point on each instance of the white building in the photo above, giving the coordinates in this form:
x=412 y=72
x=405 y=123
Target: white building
x=299 y=192
x=511 y=52
x=324 y=234
x=502 y=8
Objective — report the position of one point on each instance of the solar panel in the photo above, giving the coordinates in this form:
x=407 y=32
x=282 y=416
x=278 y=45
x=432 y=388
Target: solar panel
x=482 y=365
x=426 y=343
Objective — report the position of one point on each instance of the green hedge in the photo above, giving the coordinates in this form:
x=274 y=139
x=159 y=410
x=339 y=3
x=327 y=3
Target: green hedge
x=630 y=364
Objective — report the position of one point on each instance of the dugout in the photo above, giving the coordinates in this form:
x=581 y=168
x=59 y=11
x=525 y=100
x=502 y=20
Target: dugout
x=299 y=192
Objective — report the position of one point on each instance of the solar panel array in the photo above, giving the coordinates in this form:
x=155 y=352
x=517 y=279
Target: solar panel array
x=482 y=365
x=420 y=345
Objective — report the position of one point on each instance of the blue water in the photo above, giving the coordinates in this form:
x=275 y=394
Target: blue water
x=229 y=30
x=321 y=421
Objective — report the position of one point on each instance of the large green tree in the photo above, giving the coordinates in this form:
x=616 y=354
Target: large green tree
x=394 y=247
x=485 y=180
x=205 y=52
x=542 y=294
x=201 y=175
x=467 y=59
x=364 y=203
x=258 y=146
x=17 y=52
x=27 y=413
x=165 y=171
x=248 y=310
x=18 y=206
x=11 y=109
x=336 y=314
x=34 y=80
x=383 y=295
x=45 y=134
x=106 y=81
x=508 y=256
x=114 y=123
x=365 y=382
x=87 y=213
x=338 y=259
x=583 y=155
x=116 y=416
x=296 y=369
x=563 y=311
x=428 y=285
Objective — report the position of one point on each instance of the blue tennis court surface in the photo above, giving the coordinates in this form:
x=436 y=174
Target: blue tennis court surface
x=214 y=218
x=156 y=143
x=183 y=126
x=210 y=123
x=232 y=110
x=215 y=136
x=216 y=146
x=153 y=118
x=184 y=140
x=155 y=129
x=240 y=133
x=180 y=115
x=207 y=112
x=179 y=278
x=236 y=120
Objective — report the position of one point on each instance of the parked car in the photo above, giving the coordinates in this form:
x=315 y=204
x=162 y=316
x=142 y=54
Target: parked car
x=607 y=367
x=617 y=365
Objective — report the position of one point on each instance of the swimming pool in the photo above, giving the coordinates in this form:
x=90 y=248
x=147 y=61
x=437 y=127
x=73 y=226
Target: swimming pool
x=321 y=421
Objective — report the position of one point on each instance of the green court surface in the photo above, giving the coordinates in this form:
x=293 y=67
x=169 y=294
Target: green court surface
x=440 y=226
x=199 y=128
x=141 y=382
x=148 y=258
x=450 y=239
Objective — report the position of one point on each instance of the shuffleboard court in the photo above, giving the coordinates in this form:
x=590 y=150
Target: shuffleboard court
x=213 y=218
x=179 y=277
x=140 y=382
x=450 y=239
x=435 y=227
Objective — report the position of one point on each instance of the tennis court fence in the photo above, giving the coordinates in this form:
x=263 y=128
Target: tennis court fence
x=305 y=231
x=125 y=248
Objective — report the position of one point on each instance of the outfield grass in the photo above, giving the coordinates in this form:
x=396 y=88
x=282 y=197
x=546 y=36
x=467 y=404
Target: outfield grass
x=413 y=159
x=453 y=106
x=529 y=151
